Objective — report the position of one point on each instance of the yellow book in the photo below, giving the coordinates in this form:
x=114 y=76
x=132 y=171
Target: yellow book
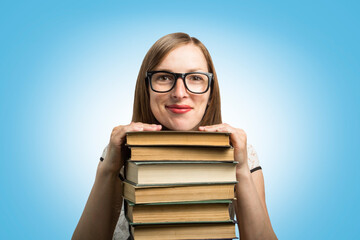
x=219 y=230
x=178 y=212
x=179 y=193
x=181 y=154
x=177 y=138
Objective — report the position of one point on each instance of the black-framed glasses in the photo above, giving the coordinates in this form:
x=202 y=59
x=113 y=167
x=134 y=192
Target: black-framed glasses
x=164 y=81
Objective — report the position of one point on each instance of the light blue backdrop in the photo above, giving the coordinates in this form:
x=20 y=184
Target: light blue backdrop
x=289 y=76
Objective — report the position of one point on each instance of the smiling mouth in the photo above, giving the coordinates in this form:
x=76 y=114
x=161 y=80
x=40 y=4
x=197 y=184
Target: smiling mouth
x=179 y=108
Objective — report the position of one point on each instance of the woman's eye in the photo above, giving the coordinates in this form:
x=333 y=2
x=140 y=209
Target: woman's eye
x=164 y=78
x=196 y=78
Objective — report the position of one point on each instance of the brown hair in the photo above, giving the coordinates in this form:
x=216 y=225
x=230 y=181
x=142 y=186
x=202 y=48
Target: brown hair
x=141 y=108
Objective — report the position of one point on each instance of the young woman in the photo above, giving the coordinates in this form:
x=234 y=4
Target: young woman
x=177 y=89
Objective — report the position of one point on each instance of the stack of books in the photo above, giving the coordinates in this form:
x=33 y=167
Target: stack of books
x=179 y=185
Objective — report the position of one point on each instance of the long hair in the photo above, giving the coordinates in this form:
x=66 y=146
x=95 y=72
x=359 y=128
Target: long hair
x=141 y=109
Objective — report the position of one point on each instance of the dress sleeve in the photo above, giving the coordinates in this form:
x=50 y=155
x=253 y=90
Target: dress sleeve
x=122 y=229
x=104 y=153
x=103 y=157
x=253 y=159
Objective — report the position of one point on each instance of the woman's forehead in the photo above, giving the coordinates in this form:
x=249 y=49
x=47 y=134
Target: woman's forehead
x=186 y=58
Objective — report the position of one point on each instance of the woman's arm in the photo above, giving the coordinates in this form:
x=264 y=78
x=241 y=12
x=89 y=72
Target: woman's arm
x=102 y=210
x=250 y=207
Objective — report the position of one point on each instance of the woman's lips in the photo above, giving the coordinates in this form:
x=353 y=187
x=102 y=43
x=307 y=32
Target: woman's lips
x=179 y=108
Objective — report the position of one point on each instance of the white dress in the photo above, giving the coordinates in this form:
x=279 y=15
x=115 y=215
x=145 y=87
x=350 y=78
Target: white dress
x=122 y=227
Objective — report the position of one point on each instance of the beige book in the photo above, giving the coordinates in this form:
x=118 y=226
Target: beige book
x=180 y=172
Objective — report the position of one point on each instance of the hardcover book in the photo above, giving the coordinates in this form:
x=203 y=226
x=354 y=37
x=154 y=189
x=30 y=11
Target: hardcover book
x=149 y=173
x=221 y=230
x=171 y=153
x=176 y=138
x=180 y=193
x=178 y=212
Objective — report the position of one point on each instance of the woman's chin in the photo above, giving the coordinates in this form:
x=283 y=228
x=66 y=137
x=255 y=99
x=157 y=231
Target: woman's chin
x=181 y=127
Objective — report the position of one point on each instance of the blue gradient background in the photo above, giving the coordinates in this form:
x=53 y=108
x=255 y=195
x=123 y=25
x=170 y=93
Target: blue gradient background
x=289 y=75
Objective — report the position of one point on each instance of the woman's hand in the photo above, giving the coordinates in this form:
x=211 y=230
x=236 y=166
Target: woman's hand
x=238 y=140
x=114 y=159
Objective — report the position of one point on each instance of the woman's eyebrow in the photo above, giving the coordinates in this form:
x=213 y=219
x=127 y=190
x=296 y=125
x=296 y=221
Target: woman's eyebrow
x=190 y=70
x=163 y=69
x=196 y=70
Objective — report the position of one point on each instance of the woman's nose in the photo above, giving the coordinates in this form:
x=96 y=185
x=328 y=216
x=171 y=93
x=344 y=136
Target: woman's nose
x=179 y=90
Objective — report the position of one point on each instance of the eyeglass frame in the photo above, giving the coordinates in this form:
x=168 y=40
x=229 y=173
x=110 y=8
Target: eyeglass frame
x=177 y=76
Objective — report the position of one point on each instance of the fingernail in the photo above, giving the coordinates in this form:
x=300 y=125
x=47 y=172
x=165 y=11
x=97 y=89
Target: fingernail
x=201 y=128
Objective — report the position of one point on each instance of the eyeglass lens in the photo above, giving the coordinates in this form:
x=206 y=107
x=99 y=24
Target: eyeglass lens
x=196 y=82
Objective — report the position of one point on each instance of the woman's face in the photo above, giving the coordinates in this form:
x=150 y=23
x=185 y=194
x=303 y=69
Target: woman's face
x=179 y=109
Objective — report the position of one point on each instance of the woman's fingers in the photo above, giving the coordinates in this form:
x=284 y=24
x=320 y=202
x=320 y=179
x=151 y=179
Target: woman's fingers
x=145 y=127
x=223 y=127
x=238 y=139
x=118 y=134
x=212 y=128
x=116 y=151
